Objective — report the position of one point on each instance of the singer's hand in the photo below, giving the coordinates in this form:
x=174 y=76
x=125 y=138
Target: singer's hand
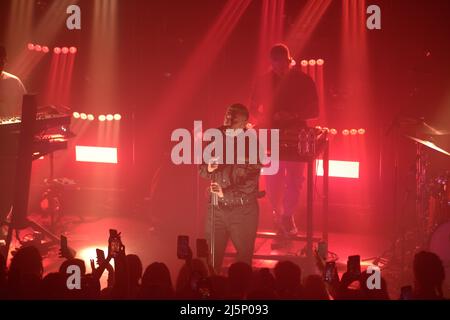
x=217 y=189
x=213 y=165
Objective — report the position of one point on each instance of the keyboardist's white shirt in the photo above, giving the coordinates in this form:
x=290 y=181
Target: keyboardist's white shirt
x=11 y=95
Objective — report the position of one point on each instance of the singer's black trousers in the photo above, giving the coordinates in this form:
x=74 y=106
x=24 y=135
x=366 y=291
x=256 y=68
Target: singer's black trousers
x=239 y=224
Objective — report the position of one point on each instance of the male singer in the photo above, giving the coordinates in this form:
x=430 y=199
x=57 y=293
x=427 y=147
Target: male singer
x=236 y=187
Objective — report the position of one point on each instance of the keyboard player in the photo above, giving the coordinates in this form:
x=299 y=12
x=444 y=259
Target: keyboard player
x=11 y=94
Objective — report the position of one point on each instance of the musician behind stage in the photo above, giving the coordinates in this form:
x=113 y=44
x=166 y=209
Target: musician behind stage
x=11 y=96
x=237 y=189
x=284 y=98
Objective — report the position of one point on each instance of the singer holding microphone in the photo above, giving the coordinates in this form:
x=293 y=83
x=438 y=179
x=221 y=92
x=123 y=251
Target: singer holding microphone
x=233 y=206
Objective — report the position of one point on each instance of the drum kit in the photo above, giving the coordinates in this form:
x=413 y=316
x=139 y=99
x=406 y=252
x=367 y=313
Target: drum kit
x=432 y=194
x=432 y=201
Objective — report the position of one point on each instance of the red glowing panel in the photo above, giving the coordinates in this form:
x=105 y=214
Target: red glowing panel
x=95 y=154
x=339 y=169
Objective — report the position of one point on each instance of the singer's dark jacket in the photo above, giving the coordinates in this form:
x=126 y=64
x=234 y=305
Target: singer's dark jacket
x=239 y=182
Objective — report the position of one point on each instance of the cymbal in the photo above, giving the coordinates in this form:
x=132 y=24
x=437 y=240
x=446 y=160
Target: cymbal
x=420 y=127
x=429 y=144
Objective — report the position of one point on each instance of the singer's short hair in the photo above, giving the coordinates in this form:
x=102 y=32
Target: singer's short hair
x=239 y=108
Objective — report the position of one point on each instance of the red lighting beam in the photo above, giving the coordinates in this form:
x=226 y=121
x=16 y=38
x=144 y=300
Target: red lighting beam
x=202 y=58
x=305 y=24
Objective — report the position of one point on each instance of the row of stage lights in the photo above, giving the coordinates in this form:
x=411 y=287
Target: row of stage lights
x=56 y=50
x=312 y=62
x=345 y=132
x=102 y=117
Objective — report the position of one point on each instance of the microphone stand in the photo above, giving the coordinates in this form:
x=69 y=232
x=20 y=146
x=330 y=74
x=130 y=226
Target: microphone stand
x=214 y=204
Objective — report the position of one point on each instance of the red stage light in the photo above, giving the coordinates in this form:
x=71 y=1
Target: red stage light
x=76 y=115
x=101 y=117
x=117 y=117
x=109 y=117
x=361 y=131
x=45 y=49
x=30 y=46
x=304 y=63
x=333 y=131
x=90 y=117
x=320 y=62
x=83 y=116
x=345 y=132
x=95 y=154
x=73 y=50
x=38 y=48
x=353 y=132
x=312 y=62
x=57 y=50
x=65 y=50
x=339 y=169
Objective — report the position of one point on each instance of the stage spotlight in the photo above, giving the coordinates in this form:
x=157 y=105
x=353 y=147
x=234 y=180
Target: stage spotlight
x=320 y=62
x=57 y=50
x=326 y=129
x=345 y=132
x=333 y=131
x=90 y=117
x=353 y=132
x=117 y=117
x=312 y=62
x=101 y=117
x=45 y=49
x=65 y=50
x=361 y=131
x=304 y=63
x=95 y=154
x=76 y=115
x=319 y=127
x=109 y=117
x=83 y=116
x=30 y=46
x=38 y=48
x=73 y=50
